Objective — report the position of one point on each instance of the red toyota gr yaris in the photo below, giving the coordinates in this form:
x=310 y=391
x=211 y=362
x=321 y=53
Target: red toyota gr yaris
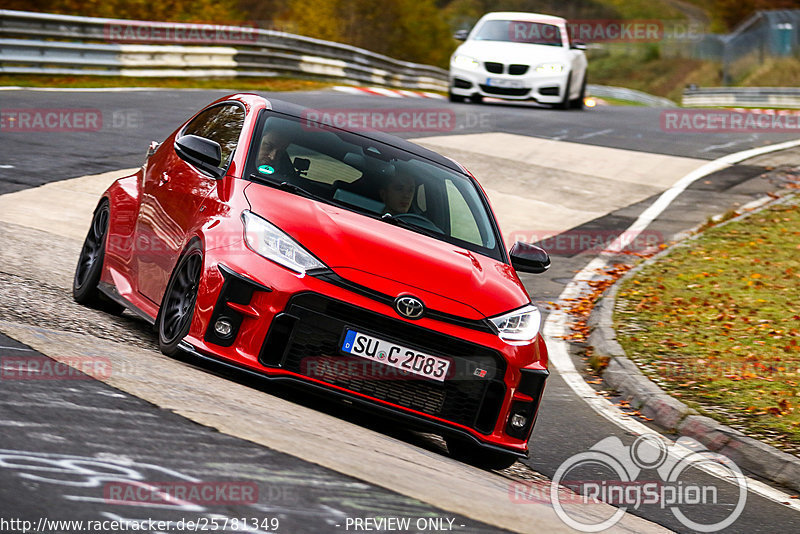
x=359 y=264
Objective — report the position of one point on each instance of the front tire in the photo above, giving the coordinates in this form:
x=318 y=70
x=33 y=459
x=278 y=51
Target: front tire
x=177 y=306
x=565 y=102
x=578 y=102
x=454 y=97
x=472 y=454
x=90 y=264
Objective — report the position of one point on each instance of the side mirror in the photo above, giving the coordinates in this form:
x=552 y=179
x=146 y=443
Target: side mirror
x=203 y=153
x=461 y=35
x=529 y=258
x=578 y=45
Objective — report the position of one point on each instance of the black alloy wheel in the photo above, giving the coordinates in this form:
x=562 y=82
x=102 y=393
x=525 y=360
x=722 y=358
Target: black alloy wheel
x=578 y=102
x=90 y=265
x=177 y=307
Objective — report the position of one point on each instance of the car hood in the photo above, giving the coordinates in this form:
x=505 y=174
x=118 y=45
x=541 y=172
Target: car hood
x=504 y=52
x=393 y=260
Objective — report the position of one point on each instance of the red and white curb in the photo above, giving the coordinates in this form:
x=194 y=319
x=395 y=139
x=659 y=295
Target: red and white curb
x=767 y=111
x=391 y=93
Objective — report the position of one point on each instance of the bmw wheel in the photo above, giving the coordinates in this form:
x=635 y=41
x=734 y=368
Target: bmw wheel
x=454 y=97
x=565 y=103
x=177 y=307
x=578 y=102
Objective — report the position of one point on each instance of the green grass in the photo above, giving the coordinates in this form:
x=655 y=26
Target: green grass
x=643 y=68
x=717 y=323
x=619 y=102
x=237 y=84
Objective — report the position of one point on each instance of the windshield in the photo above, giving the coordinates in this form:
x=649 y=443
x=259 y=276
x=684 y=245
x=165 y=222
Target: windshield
x=518 y=31
x=374 y=179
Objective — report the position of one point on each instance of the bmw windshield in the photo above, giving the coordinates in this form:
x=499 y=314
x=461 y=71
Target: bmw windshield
x=374 y=179
x=517 y=31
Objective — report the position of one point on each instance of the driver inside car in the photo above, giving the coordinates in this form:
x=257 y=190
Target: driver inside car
x=398 y=193
x=273 y=158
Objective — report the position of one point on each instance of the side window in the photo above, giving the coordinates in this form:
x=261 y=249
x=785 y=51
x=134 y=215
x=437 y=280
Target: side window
x=462 y=221
x=222 y=124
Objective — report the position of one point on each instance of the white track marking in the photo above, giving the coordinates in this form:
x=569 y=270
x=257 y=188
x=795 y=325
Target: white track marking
x=556 y=325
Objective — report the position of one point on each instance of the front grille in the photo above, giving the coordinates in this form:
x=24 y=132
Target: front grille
x=313 y=350
x=495 y=68
x=505 y=91
x=518 y=70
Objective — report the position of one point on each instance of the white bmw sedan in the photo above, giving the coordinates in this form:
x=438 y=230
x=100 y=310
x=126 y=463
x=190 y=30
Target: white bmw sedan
x=519 y=56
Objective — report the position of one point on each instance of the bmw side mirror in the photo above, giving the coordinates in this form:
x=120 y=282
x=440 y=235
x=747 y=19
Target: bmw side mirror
x=203 y=153
x=529 y=258
x=461 y=35
x=578 y=45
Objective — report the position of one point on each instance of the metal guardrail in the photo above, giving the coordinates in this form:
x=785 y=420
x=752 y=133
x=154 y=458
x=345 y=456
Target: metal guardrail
x=631 y=95
x=748 y=97
x=41 y=43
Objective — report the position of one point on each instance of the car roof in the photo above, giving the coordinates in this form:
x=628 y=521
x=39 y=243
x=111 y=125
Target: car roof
x=522 y=16
x=295 y=110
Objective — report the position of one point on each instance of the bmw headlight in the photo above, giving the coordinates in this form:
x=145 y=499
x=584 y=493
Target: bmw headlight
x=519 y=325
x=266 y=239
x=464 y=62
x=549 y=68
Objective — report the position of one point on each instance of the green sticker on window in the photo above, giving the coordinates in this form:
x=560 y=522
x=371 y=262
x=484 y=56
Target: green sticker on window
x=266 y=169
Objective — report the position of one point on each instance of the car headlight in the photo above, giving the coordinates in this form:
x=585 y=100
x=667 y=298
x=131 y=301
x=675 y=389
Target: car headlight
x=266 y=239
x=519 y=325
x=549 y=68
x=464 y=62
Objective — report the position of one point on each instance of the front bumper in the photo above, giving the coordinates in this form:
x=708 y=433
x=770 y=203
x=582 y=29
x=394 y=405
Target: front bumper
x=292 y=328
x=546 y=89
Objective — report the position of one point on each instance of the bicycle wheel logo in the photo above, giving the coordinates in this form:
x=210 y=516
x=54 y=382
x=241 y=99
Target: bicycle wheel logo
x=614 y=473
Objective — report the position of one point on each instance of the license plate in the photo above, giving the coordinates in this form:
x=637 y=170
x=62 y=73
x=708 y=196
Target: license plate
x=508 y=84
x=387 y=353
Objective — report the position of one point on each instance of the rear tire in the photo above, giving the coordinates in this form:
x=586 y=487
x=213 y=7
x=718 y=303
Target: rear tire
x=472 y=454
x=90 y=265
x=177 y=307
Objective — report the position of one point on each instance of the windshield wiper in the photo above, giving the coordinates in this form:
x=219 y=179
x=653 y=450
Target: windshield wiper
x=397 y=221
x=286 y=186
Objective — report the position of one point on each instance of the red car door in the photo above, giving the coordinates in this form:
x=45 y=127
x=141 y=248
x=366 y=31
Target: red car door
x=172 y=192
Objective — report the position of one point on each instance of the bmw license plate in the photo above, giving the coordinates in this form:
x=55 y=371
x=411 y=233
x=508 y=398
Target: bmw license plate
x=507 y=84
x=387 y=353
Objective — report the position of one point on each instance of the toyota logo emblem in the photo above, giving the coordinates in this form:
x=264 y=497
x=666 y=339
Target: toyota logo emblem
x=409 y=307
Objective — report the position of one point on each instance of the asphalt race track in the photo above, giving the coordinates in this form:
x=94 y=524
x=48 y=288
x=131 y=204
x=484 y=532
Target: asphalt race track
x=61 y=439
